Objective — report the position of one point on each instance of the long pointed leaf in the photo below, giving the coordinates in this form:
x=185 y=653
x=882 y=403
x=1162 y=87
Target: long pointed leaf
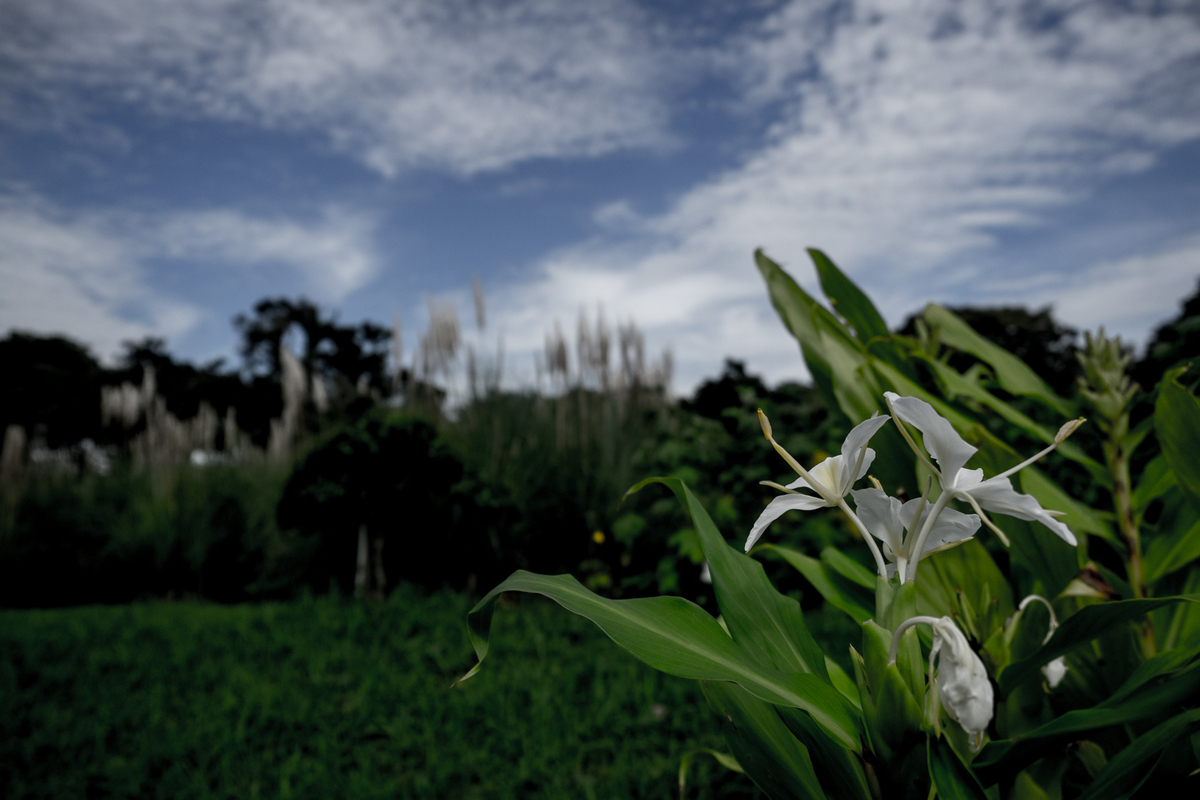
x=768 y=625
x=951 y=777
x=1009 y=756
x=1086 y=624
x=1127 y=769
x=840 y=772
x=837 y=591
x=764 y=747
x=1177 y=423
x=836 y=360
x=848 y=300
x=959 y=385
x=678 y=637
x=1011 y=372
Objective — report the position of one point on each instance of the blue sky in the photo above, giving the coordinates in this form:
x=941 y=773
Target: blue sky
x=164 y=164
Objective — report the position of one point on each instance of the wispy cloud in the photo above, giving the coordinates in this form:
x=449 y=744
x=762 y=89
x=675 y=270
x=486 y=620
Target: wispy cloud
x=452 y=85
x=89 y=274
x=912 y=133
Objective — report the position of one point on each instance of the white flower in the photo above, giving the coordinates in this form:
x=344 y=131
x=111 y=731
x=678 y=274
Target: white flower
x=832 y=479
x=962 y=680
x=1056 y=670
x=887 y=519
x=951 y=452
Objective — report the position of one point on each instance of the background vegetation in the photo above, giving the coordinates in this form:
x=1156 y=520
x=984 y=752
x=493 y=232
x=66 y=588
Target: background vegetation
x=458 y=483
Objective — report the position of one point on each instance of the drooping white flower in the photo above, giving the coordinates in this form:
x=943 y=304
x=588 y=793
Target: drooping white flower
x=962 y=680
x=952 y=452
x=831 y=479
x=888 y=519
x=1055 y=670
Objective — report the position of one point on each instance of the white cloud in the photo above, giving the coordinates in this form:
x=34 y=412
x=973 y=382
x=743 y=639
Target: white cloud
x=333 y=256
x=454 y=85
x=89 y=275
x=1128 y=296
x=912 y=133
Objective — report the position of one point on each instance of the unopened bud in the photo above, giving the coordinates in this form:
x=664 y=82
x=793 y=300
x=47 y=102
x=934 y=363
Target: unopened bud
x=1067 y=429
x=765 y=423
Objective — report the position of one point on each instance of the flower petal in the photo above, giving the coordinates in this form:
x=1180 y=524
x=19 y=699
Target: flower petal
x=999 y=496
x=951 y=526
x=826 y=474
x=881 y=515
x=962 y=680
x=777 y=508
x=941 y=440
x=853 y=444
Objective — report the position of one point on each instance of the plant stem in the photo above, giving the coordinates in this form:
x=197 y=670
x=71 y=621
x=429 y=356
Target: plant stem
x=1118 y=465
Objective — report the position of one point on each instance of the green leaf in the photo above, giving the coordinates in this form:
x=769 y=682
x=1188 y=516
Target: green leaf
x=679 y=638
x=951 y=777
x=848 y=568
x=848 y=300
x=842 y=682
x=1078 y=517
x=906 y=387
x=1141 y=701
x=768 y=625
x=896 y=714
x=839 y=771
x=837 y=591
x=1156 y=479
x=1086 y=624
x=724 y=759
x=764 y=747
x=1177 y=423
x=1128 y=769
x=1013 y=375
x=836 y=360
x=967 y=568
x=1173 y=551
x=1185 y=622
x=957 y=384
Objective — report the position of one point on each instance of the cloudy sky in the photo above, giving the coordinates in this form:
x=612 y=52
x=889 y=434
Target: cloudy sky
x=164 y=164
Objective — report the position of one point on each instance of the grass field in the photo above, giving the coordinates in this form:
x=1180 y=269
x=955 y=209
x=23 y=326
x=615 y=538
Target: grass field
x=328 y=698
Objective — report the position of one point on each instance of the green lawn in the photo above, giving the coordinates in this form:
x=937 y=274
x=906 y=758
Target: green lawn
x=328 y=698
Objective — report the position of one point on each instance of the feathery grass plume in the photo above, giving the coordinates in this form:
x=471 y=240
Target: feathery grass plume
x=285 y=429
x=439 y=345
x=120 y=404
x=480 y=305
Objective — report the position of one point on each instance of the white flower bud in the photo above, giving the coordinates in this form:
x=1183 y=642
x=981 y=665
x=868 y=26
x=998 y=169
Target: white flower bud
x=962 y=681
x=1055 y=670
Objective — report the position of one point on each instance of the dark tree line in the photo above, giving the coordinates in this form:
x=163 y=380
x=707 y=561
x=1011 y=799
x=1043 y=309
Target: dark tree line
x=53 y=385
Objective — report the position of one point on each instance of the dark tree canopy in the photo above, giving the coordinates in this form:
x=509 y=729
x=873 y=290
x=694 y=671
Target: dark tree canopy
x=344 y=353
x=1174 y=342
x=184 y=386
x=1035 y=337
x=395 y=475
x=52 y=382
